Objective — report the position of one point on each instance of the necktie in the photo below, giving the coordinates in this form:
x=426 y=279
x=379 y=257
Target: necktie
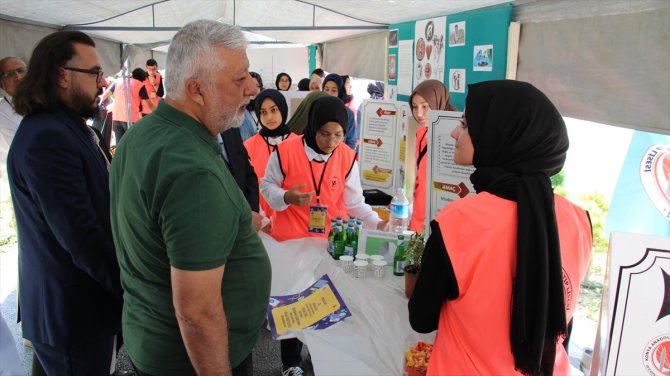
x=94 y=138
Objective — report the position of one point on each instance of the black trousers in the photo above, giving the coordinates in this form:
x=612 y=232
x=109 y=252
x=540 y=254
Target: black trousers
x=290 y=352
x=120 y=128
x=246 y=368
x=90 y=359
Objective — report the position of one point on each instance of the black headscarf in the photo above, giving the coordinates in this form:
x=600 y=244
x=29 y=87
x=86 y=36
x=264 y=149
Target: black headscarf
x=279 y=76
x=520 y=140
x=303 y=85
x=280 y=101
x=341 y=93
x=323 y=110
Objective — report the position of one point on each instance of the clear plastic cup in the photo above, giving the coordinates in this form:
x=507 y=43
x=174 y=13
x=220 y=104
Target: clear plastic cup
x=360 y=268
x=347 y=263
x=378 y=268
x=363 y=257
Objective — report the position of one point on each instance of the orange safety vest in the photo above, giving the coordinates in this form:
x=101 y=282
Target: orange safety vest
x=293 y=222
x=419 y=202
x=151 y=89
x=479 y=234
x=119 y=110
x=259 y=152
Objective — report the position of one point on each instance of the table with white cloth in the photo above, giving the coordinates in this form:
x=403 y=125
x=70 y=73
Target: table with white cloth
x=370 y=342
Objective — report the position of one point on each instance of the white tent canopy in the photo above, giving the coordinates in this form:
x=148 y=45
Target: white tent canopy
x=605 y=61
x=303 y=22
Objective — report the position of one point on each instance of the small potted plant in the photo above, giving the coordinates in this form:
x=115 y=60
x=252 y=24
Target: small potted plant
x=413 y=254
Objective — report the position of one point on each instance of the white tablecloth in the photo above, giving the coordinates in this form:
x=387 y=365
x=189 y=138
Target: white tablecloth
x=370 y=342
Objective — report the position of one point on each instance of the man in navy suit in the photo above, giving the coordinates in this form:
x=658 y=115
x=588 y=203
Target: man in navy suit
x=70 y=293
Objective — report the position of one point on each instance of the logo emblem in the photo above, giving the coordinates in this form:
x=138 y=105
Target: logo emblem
x=334 y=182
x=656 y=356
x=655 y=177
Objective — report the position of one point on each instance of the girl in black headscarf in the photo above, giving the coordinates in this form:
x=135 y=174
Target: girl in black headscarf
x=283 y=82
x=334 y=85
x=494 y=274
x=309 y=174
x=271 y=111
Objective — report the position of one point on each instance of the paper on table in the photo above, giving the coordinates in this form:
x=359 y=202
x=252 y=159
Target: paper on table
x=317 y=307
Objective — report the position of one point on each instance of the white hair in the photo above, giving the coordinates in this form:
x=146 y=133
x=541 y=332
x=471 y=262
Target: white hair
x=191 y=52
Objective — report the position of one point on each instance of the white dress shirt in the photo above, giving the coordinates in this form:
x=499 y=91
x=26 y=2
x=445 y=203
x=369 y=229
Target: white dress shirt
x=354 y=202
x=9 y=123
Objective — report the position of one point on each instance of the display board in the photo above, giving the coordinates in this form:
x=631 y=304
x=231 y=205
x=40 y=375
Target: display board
x=634 y=328
x=447 y=181
x=383 y=144
x=457 y=49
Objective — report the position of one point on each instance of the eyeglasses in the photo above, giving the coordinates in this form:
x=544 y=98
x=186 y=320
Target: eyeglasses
x=330 y=137
x=97 y=71
x=14 y=72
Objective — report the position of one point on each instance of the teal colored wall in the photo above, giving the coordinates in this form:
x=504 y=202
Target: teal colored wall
x=312 y=60
x=482 y=27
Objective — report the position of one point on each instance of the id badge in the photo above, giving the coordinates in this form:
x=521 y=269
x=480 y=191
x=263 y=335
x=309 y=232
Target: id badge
x=317 y=219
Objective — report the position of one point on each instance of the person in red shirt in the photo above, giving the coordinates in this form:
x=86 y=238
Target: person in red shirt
x=501 y=269
x=272 y=112
x=153 y=86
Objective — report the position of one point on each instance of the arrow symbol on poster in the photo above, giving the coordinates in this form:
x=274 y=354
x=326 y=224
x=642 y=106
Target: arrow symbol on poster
x=372 y=141
x=461 y=189
x=381 y=112
x=376 y=169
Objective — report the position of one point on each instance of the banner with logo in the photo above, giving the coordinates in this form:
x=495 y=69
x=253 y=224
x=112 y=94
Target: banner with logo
x=634 y=328
x=447 y=181
x=641 y=200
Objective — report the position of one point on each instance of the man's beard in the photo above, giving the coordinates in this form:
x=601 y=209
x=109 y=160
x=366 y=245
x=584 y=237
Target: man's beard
x=82 y=104
x=226 y=119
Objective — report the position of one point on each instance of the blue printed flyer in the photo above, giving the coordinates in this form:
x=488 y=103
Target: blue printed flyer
x=318 y=307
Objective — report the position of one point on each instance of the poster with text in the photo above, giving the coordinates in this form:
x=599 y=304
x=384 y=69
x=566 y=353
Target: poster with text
x=634 y=336
x=317 y=307
x=405 y=61
x=429 y=42
x=447 y=181
x=383 y=127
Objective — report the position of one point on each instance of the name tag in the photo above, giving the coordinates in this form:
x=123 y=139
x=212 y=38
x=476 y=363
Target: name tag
x=317 y=219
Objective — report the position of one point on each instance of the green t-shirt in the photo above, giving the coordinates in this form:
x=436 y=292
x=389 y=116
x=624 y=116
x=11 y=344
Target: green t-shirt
x=174 y=203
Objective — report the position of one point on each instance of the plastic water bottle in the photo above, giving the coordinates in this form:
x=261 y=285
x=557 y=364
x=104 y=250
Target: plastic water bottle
x=399 y=219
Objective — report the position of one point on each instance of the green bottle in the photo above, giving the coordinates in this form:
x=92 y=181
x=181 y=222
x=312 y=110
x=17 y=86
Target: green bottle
x=331 y=238
x=352 y=241
x=399 y=257
x=339 y=242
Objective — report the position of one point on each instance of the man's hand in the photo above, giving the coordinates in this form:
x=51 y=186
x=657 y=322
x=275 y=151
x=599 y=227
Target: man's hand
x=256 y=221
x=293 y=197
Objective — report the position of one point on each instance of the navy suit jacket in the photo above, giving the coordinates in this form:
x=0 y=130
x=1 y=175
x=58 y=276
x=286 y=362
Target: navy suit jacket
x=240 y=166
x=70 y=292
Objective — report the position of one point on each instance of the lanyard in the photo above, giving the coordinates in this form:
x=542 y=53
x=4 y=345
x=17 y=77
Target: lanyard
x=317 y=189
x=272 y=148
